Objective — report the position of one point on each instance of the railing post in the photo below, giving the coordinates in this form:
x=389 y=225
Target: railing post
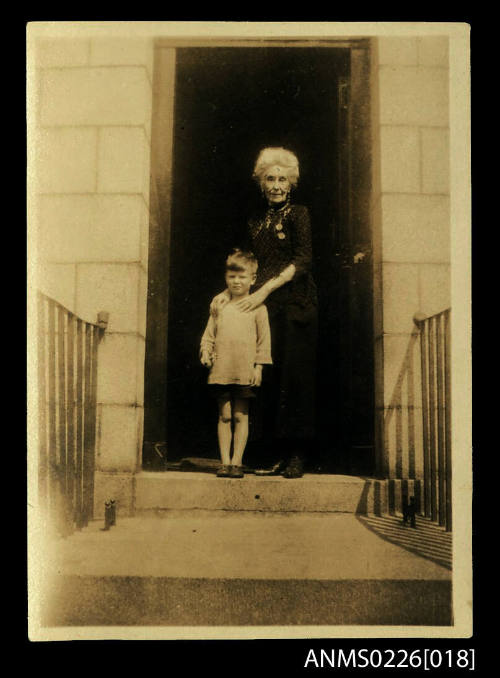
x=42 y=406
x=79 y=425
x=436 y=421
x=420 y=321
x=432 y=416
x=87 y=426
x=67 y=378
x=71 y=416
x=440 y=422
x=65 y=511
x=447 y=415
x=51 y=411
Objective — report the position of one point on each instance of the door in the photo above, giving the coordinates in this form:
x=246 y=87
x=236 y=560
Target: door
x=229 y=103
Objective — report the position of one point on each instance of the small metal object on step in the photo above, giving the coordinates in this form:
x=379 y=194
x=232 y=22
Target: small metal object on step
x=107 y=515
x=409 y=510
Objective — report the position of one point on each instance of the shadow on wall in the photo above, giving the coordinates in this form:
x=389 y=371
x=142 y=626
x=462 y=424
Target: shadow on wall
x=428 y=540
x=371 y=500
x=400 y=416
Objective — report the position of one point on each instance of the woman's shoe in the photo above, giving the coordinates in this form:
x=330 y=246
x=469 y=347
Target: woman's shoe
x=236 y=472
x=224 y=471
x=295 y=468
x=278 y=468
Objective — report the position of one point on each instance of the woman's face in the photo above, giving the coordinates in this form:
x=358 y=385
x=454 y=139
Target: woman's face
x=276 y=185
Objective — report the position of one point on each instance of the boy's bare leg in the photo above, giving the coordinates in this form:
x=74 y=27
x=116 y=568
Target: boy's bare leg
x=240 y=416
x=224 y=431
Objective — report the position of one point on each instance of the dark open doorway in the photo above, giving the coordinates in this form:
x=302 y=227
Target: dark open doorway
x=229 y=103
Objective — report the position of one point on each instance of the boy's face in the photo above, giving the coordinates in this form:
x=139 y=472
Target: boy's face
x=239 y=282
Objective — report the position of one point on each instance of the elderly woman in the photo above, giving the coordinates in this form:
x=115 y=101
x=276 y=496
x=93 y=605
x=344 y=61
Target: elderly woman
x=279 y=234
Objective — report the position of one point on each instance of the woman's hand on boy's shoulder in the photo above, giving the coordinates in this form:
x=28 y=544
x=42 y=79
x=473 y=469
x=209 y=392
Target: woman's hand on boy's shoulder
x=218 y=302
x=252 y=302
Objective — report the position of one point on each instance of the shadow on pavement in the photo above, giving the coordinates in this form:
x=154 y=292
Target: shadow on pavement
x=427 y=540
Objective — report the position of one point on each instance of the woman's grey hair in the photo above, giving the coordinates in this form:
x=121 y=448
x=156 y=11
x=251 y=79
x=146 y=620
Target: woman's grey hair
x=276 y=156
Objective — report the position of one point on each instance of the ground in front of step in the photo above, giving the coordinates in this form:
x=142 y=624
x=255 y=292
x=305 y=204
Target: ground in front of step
x=216 y=568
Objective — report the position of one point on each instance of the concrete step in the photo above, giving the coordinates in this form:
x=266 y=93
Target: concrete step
x=312 y=493
x=216 y=568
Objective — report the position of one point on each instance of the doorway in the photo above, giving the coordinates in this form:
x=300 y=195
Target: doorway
x=229 y=103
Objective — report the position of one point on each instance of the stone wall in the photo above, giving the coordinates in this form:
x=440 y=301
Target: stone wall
x=411 y=231
x=93 y=137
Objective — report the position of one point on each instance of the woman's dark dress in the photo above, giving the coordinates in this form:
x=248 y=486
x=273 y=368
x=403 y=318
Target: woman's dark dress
x=278 y=238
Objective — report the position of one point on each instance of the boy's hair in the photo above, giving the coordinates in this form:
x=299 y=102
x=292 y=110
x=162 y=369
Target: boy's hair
x=238 y=260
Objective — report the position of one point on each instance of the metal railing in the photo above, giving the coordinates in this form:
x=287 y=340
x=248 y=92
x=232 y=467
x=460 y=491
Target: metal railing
x=435 y=344
x=67 y=406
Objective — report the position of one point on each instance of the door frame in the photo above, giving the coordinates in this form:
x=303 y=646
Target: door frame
x=353 y=238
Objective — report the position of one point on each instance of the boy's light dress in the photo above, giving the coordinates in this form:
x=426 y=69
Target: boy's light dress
x=236 y=341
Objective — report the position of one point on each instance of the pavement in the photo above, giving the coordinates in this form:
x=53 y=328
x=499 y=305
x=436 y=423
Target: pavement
x=242 y=568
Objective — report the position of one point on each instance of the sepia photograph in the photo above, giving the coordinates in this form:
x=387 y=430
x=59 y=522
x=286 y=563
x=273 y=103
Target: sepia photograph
x=249 y=369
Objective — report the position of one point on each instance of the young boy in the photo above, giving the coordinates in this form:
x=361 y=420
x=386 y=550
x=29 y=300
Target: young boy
x=234 y=346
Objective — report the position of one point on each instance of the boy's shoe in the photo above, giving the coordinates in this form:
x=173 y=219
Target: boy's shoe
x=224 y=471
x=295 y=468
x=236 y=472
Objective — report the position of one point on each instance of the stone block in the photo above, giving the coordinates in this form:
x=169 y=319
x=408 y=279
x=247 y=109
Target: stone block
x=401 y=369
x=435 y=288
x=403 y=441
x=144 y=246
x=118 y=444
x=95 y=96
x=379 y=371
x=122 y=52
x=378 y=306
x=392 y=441
x=148 y=118
x=146 y=169
x=413 y=96
x=78 y=228
x=381 y=444
x=109 y=287
x=400 y=159
x=60 y=52
x=400 y=296
x=435 y=160
x=433 y=50
x=315 y=493
x=415 y=228
x=375 y=126
x=400 y=51
x=117 y=372
x=67 y=160
x=140 y=437
x=376 y=219
x=117 y=486
x=140 y=378
x=123 y=161
x=58 y=282
x=142 y=302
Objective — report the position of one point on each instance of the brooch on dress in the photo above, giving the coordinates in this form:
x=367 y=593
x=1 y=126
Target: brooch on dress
x=279 y=230
x=271 y=216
